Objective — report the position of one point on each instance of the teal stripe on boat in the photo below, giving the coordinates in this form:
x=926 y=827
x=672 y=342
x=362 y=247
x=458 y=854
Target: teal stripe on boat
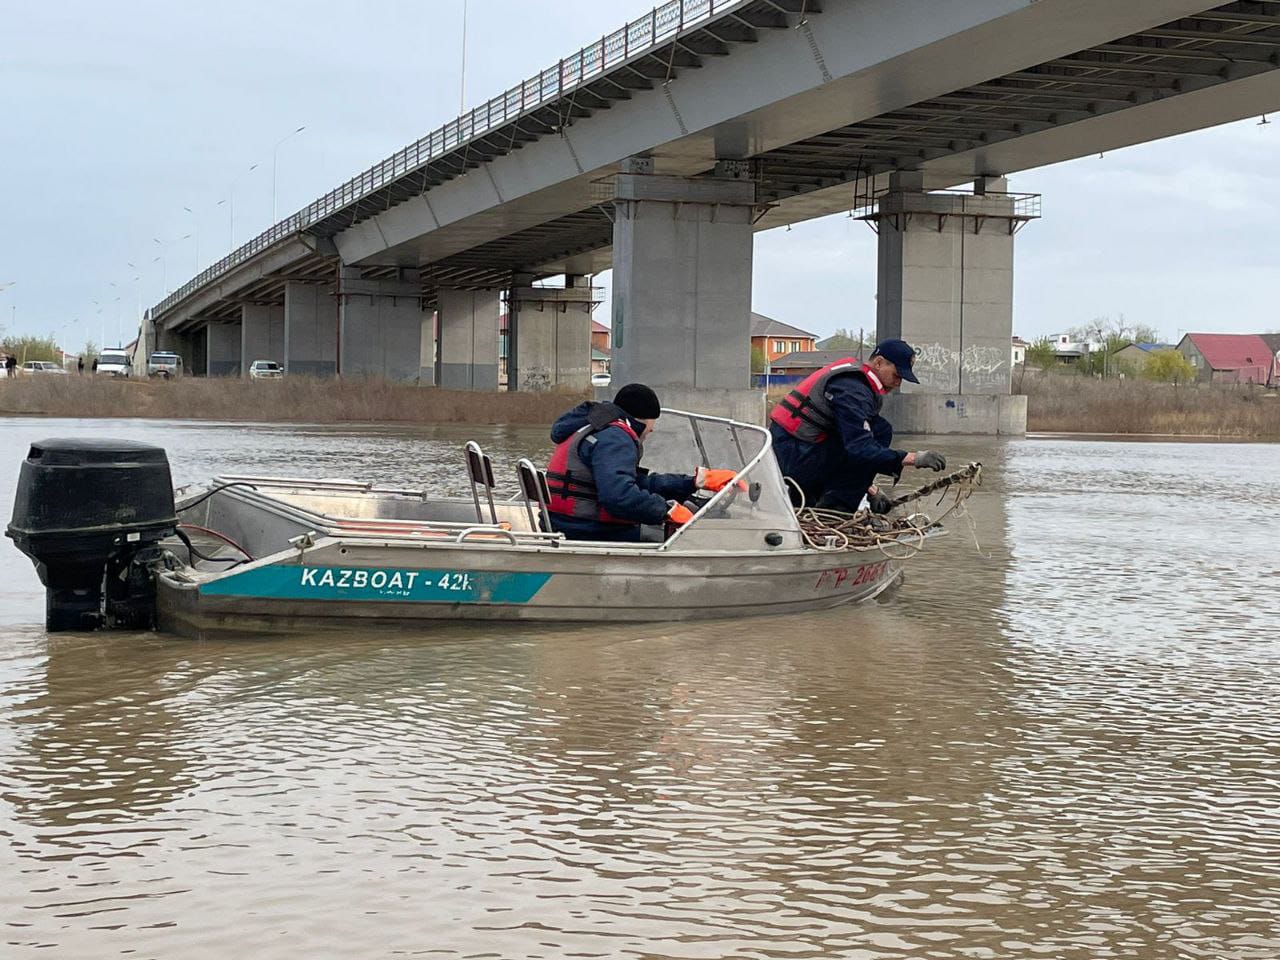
x=398 y=584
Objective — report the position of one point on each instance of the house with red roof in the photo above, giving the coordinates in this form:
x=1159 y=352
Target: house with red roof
x=1229 y=357
x=1273 y=344
x=775 y=339
x=600 y=352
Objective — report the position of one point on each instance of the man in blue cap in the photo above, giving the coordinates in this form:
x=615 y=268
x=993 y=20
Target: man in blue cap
x=830 y=439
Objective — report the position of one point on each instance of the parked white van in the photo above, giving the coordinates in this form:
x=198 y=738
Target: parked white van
x=114 y=362
x=166 y=366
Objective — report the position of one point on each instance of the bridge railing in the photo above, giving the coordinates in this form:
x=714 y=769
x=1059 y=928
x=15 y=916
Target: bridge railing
x=635 y=38
x=1016 y=209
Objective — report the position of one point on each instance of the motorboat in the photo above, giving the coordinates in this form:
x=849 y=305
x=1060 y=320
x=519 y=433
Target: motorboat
x=251 y=554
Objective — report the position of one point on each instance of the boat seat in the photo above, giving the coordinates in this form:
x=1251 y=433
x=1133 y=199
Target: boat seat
x=480 y=473
x=533 y=486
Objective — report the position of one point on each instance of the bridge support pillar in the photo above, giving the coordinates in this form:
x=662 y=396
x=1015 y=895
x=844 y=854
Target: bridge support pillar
x=380 y=325
x=310 y=330
x=196 y=346
x=945 y=285
x=169 y=342
x=147 y=338
x=549 y=336
x=222 y=351
x=261 y=334
x=468 y=350
x=682 y=251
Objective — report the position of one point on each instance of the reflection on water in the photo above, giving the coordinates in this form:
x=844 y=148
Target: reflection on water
x=1064 y=745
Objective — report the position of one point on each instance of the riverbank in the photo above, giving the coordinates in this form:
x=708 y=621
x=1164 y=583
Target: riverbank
x=1073 y=404
x=292 y=400
x=1055 y=404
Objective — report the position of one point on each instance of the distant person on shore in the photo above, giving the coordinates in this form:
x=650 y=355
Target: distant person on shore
x=599 y=491
x=11 y=365
x=830 y=439
x=95 y=364
x=80 y=365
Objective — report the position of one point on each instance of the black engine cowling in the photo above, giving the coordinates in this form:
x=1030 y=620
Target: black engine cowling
x=89 y=514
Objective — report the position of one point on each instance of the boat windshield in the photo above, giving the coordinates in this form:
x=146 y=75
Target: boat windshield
x=682 y=441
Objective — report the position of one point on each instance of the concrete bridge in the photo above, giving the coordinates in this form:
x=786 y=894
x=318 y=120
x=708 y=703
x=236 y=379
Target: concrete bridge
x=660 y=149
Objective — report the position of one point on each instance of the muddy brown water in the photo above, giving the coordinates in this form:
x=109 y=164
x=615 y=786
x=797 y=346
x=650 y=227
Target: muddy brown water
x=1062 y=743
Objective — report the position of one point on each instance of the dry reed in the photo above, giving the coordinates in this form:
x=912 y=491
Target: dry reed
x=1055 y=403
x=1066 y=403
x=294 y=399
x=1059 y=403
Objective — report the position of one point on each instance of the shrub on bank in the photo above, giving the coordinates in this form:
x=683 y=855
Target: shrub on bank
x=294 y=399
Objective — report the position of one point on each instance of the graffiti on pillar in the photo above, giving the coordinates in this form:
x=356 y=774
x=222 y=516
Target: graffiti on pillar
x=936 y=366
x=939 y=368
x=535 y=379
x=984 y=367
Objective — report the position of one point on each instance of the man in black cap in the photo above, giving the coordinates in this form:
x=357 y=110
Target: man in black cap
x=599 y=491
x=830 y=439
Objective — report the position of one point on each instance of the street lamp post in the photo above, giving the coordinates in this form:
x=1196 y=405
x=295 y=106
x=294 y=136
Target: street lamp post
x=195 y=232
x=164 y=271
x=14 y=307
x=274 y=151
x=462 y=79
x=231 y=207
x=142 y=317
x=66 y=341
x=116 y=287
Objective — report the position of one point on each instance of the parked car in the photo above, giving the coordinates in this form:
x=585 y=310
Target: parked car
x=41 y=366
x=265 y=370
x=166 y=366
x=601 y=379
x=114 y=362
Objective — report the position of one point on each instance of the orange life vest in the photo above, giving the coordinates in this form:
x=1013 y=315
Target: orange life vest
x=805 y=412
x=570 y=481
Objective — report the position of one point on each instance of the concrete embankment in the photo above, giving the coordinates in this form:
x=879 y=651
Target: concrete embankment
x=296 y=399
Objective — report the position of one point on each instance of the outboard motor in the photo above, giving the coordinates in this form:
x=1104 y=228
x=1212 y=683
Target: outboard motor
x=89 y=514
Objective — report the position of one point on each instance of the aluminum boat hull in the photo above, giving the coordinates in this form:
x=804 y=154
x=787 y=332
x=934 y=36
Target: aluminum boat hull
x=306 y=553
x=338 y=581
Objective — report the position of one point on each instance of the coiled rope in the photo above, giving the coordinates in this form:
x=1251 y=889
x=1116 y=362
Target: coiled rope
x=897 y=537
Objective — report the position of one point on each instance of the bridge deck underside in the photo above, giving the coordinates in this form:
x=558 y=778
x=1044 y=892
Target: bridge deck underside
x=1227 y=43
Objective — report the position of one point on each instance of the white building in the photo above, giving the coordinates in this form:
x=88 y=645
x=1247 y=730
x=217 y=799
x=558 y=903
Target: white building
x=1017 y=352
x=1070 y=351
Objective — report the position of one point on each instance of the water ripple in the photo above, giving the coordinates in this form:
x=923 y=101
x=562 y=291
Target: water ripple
x=1068 y=749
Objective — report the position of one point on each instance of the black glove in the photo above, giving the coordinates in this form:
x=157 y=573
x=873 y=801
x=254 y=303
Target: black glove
x=879 y=503
x=928 y=460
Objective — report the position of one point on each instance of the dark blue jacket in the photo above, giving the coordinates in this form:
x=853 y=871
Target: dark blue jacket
x=626 y=489
x=839 y=470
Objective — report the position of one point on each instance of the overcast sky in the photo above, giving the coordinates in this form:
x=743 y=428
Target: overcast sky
x=116 y=116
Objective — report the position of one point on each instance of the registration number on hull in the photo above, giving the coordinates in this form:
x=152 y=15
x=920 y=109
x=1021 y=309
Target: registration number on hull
x=299 y=582
x=846 y=577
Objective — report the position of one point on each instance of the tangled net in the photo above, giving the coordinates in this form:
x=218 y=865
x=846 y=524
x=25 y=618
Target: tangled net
x=894 y=536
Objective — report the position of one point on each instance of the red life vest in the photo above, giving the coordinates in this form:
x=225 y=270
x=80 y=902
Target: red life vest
x=572 y=486
x=805 y=412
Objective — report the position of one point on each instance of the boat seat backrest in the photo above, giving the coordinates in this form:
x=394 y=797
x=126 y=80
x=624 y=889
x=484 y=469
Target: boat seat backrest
x=480 y=473
x=536 y=493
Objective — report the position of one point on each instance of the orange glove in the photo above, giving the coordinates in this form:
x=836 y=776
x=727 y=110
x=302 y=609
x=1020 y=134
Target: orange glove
x=716 y=480
x=679 y=514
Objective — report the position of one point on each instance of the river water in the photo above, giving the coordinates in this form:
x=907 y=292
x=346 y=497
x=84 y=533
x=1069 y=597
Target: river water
x=1061 y=740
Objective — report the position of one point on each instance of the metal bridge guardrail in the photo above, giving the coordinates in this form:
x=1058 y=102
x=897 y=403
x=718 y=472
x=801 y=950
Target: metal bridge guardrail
x=1016 y=208
x=637 y=37
x=1021 y=206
